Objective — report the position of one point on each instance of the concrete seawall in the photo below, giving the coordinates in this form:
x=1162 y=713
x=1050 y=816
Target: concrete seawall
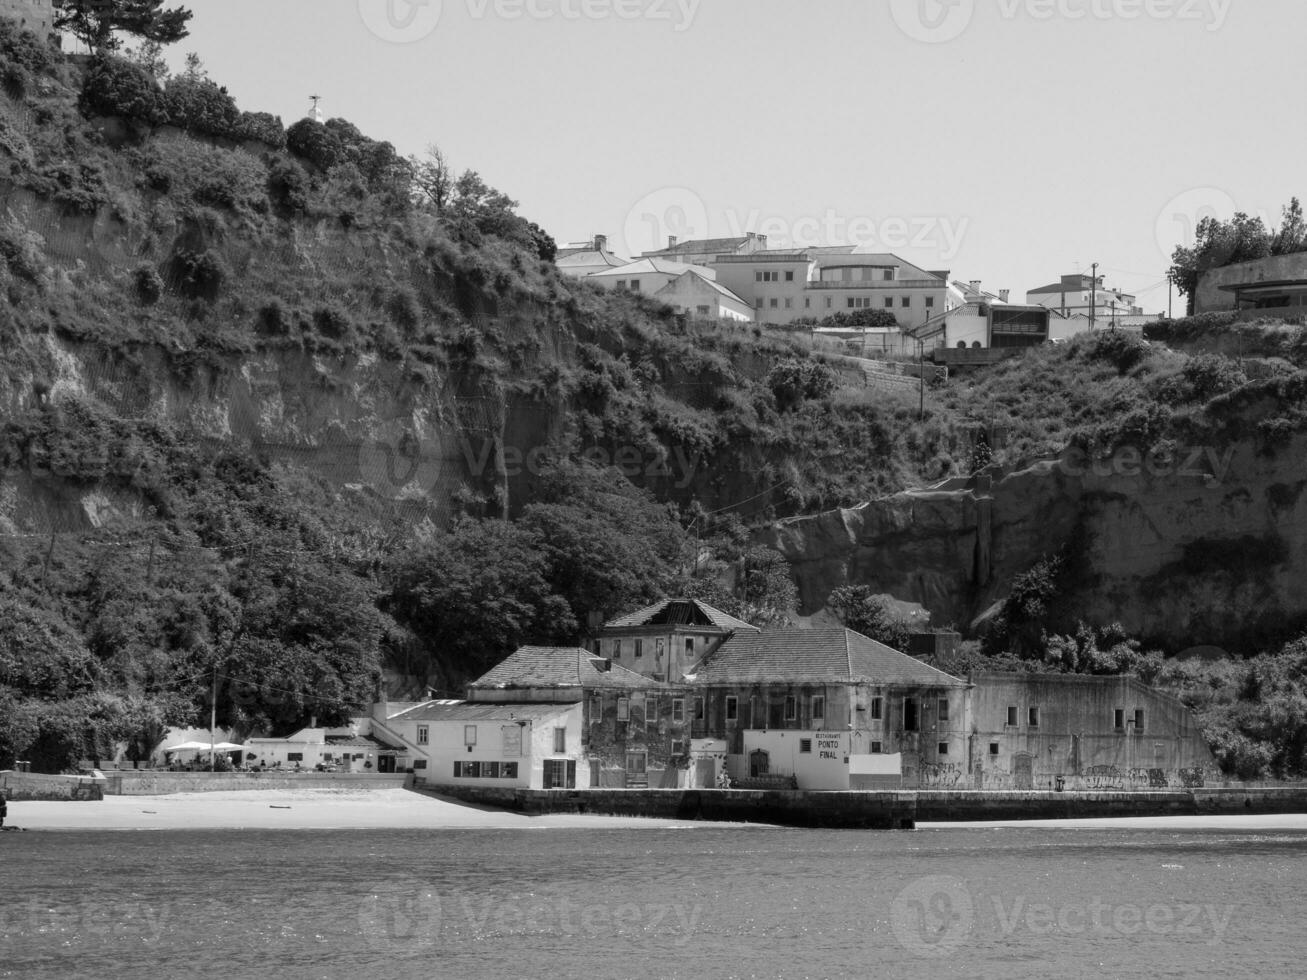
x=151 y=783
x=881 y=810
x=26 y=786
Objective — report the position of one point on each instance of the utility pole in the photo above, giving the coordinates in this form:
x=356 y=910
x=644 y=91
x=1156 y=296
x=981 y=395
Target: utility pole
x=1169 y=286
x=213 y=714
x=921 y=379
x=1093 y=295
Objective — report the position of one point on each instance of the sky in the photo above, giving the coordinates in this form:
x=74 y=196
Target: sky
x=1009 y=141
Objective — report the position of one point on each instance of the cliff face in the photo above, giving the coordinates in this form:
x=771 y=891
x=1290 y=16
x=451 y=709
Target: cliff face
x=1207 y=547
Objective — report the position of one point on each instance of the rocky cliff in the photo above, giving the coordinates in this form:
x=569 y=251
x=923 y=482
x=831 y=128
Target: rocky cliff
x=1203 y=545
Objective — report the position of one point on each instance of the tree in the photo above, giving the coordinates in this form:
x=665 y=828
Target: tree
x=97 y=21
x=433 y=180
x=871 y=614
x=1292 y=236
x=1218 y=243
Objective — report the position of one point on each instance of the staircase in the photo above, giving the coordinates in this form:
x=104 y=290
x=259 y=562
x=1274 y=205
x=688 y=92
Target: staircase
x=637 y=780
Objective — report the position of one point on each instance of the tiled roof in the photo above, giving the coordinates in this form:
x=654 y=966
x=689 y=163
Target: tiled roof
x=644 y=266
x=587 y=256
x=702 y=245
x=814 y=656
x=479 y=711
x=680 y=612
x=359 y=742
x=568 y=667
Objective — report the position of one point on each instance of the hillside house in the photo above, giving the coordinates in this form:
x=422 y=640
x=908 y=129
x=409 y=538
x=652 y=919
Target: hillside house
x=1273 y=286
x=701 y=297
x=665 y=640
x=703 y=251
x=586 y=258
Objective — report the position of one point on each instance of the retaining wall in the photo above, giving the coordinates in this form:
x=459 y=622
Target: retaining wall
x=26 y=786
x=157 y=783
x=880 y=810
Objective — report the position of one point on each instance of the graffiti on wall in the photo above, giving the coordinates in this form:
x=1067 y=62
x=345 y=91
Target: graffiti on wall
x=939 y=775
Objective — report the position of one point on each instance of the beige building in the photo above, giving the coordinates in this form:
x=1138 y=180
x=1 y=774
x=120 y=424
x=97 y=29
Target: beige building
x=703 y=251
x=701 y=297
x=1080 y=293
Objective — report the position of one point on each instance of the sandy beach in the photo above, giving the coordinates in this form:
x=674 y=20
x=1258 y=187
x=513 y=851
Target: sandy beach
x=301 y=809
x=398 y=809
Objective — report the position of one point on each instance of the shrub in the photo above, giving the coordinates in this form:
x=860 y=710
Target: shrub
x=314 y=143
x=114 y=87
x=793 y=382
x=21 y=47
x=288 y=186
x=199 y=275
x=15 y=81
x=263 y=127
x=149 y=285
x=200 y=106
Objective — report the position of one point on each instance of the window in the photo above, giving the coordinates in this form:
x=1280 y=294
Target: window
x=689 y=645
x=596 y=709
x=1034 y=717
x=889 y=275
x=419 y=763
x=621 y=283
x=789 y=275
x=1118 y=718
x=789 y=303
x=828 y=302
x=327 y=757
x=639 y=649
x=424 y=735
x=943 y=748
x=773 y=303
x=1012 y=715
x=930 y=302
x=993 y=748
x=490 y=770
x=1139 y=720
x=791 y=707
x=560 y=739
x=617 y=649
x=911 y=720
x=508 y=770
x=759 y=303
x=698 y=709
x=469 y=734
x=651 y=711
x=805 y=746
x=807 y=302
x=294 y=756
x=678 y=746
x=635 y=283
x=636 y=761
x=678 y=710
x=623 y=709
x=819 y=707
x=875 y=748
x=889 y=302
x=905 y=301
x=757 y=277
x=467 y=770
x=877 y=708
x=943 y=709
x=732 y=707
x=703 y=310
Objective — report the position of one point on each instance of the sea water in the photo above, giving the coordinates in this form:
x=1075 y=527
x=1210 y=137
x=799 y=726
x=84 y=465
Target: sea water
x=700 y=901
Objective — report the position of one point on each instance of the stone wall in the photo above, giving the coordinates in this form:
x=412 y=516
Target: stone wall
x=156 y=783
x=26 y=786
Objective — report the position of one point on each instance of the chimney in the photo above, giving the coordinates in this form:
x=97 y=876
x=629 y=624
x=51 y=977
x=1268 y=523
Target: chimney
x=975 y=285
x=671 y=241
x=1003 y=295
x=601 y=242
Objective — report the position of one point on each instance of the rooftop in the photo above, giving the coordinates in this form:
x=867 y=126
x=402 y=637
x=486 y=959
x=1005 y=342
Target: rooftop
x=560 y=667
x=479 y=711
x=680 y=612
x=815 y=656
x=650 y=266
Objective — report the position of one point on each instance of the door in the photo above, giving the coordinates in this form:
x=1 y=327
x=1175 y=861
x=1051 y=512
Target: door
x=1023 y=776
x=703 y=773
x=759 y=763
x=386 y=763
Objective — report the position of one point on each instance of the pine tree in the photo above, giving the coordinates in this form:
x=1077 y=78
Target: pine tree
x=97 y=21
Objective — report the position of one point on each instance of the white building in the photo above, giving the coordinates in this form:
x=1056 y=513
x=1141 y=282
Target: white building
x=1079 y=293
x=699 y=296
x=587 y=257
x=647 y=276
